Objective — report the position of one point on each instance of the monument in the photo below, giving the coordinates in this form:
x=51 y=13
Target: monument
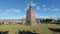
x=30 y=17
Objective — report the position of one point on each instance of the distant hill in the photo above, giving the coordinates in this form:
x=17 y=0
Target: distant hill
x=16 y=20
x=11 y=20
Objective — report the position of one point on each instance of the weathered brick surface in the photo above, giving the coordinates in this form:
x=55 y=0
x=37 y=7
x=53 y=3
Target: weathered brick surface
x=30 y=17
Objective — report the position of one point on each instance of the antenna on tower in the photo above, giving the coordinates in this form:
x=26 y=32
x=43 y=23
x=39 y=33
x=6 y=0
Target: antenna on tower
x=30 y=4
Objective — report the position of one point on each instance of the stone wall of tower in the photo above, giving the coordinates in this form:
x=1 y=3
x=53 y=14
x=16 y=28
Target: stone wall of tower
x=30 y=17
x=33 y=19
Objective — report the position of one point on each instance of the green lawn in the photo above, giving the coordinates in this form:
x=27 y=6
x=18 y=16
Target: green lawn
x=40 y=29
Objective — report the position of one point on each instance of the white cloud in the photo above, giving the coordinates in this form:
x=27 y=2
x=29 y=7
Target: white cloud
x=53 y=16
x=13 y=10
x=4 y=13
x=26 y=8
x=37 y=16
x=52 y=8
x=33 y=4
x=8 y=11
x=11 y=17
x=41 y=16
x=48 y=8
x=44 y=9
x=23 y=17
x=38 y=8
x=56 y=9
x=43 y=6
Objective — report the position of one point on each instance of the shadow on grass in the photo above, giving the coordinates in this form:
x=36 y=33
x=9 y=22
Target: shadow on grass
x=55 y=30
x=26 y=32
x=4 y=32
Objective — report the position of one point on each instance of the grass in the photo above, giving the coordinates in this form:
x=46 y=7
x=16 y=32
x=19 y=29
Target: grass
x=40 y=29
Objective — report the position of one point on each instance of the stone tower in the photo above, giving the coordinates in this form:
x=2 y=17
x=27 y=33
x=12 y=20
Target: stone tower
x=30 y=17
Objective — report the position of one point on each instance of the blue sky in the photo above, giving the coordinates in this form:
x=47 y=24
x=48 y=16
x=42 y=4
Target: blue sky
x=16 y=9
